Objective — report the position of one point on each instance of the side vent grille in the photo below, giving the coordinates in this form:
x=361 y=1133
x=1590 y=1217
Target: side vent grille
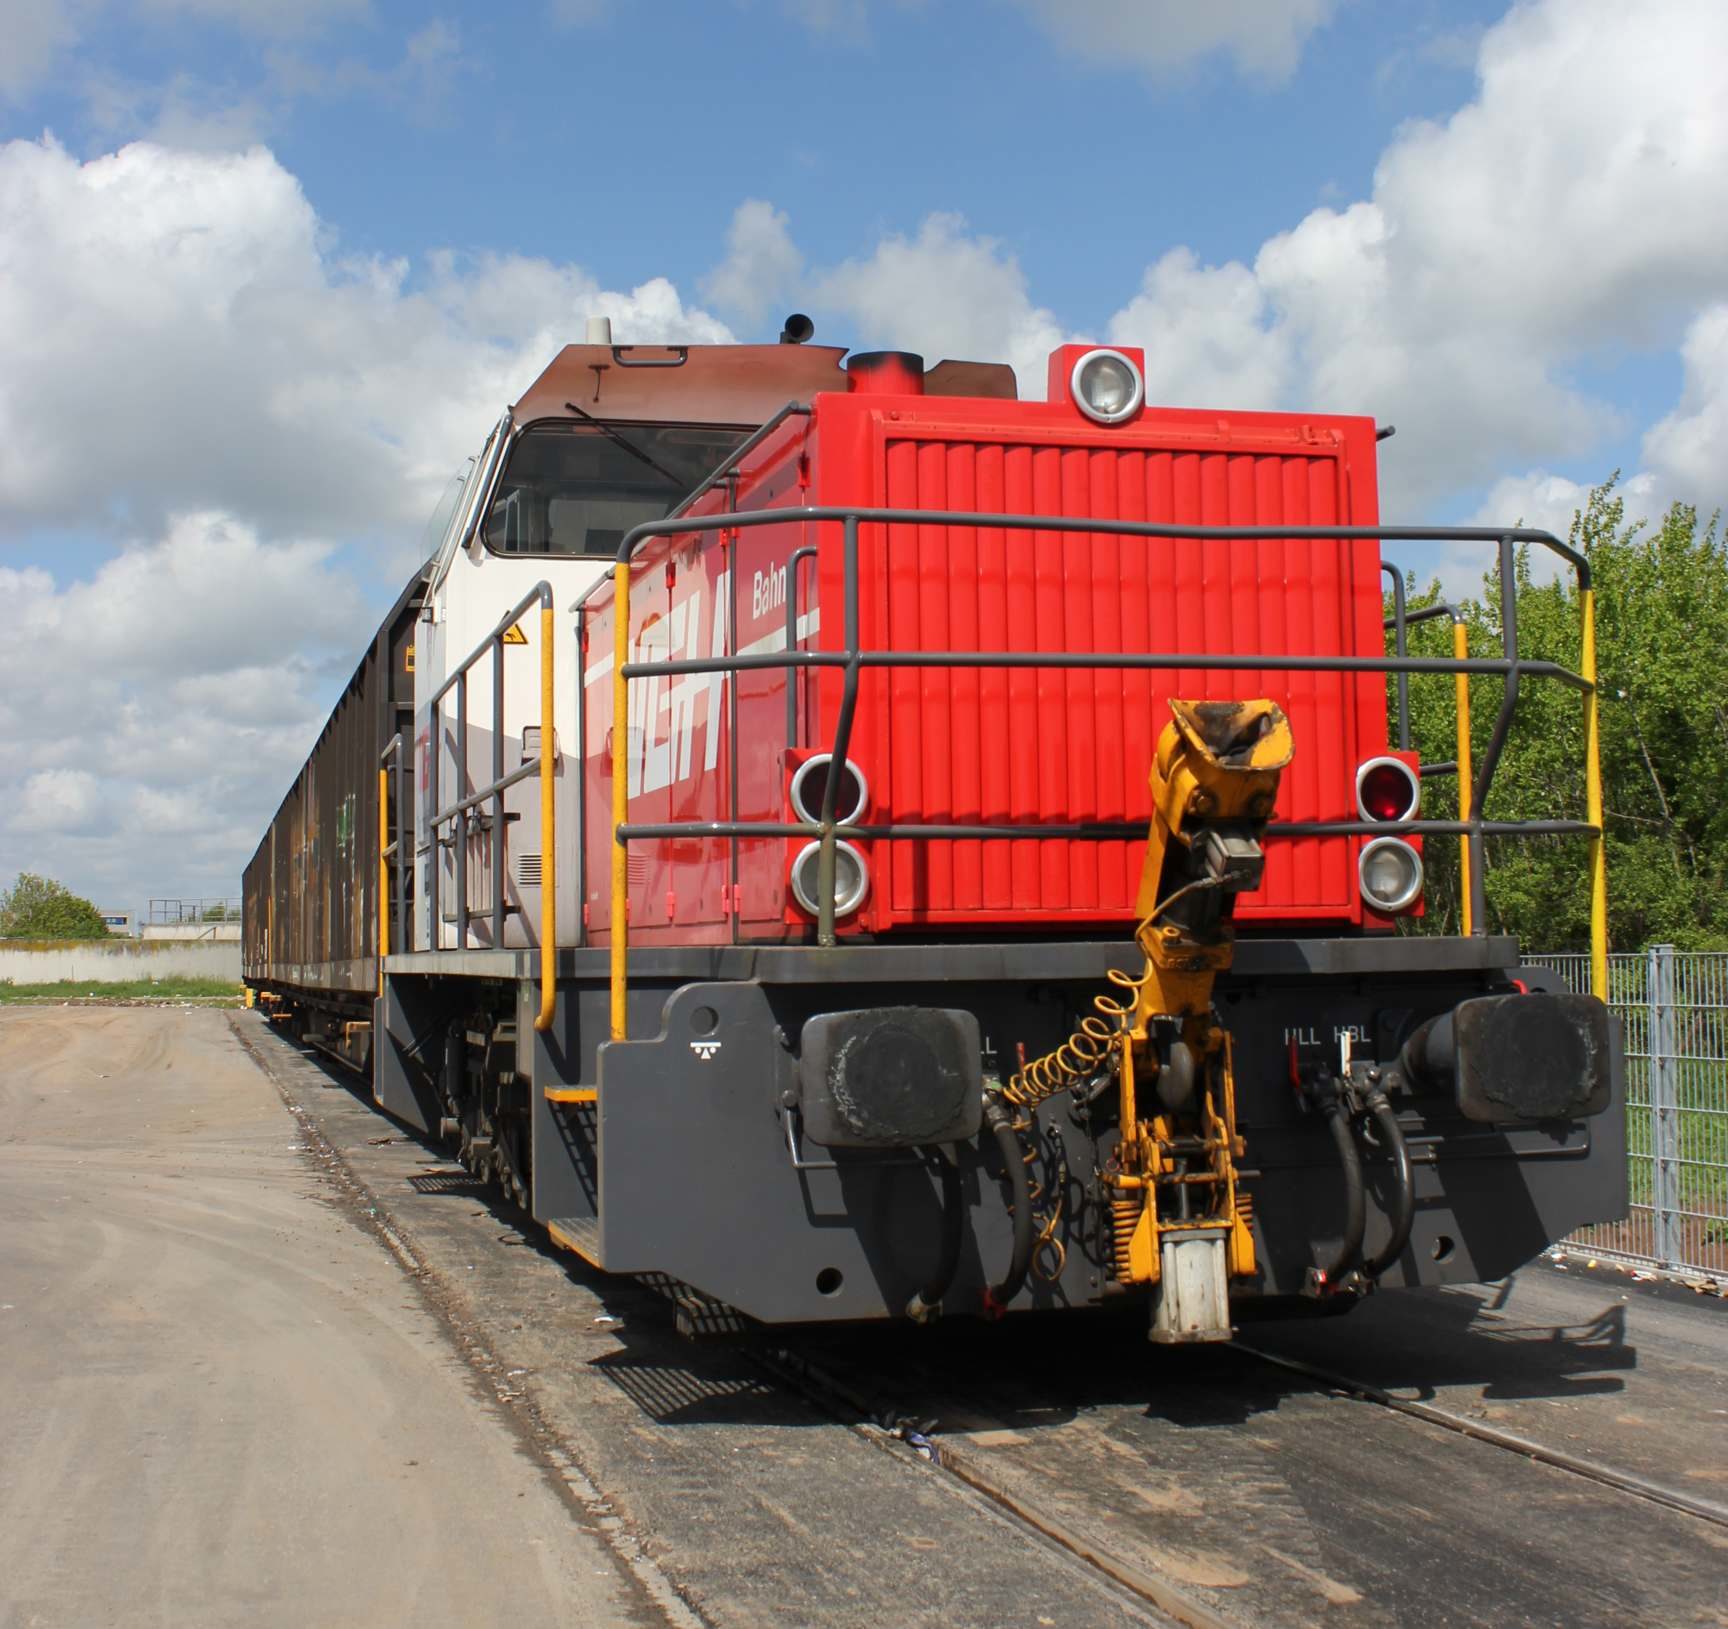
x=528 y=870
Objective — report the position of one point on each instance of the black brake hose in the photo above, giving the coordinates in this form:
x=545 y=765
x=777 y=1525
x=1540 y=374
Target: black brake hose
x=1001 y=1124
x=1355 y=1203
x=1404 y=1203
x=926 y=1304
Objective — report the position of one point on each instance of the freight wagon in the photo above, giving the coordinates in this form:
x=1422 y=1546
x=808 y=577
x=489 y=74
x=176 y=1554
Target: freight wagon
x=861 y=844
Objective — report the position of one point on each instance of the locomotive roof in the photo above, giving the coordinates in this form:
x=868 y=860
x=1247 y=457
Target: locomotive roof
x=716 y=384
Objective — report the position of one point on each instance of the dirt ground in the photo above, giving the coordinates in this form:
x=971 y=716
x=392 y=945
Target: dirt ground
x=224 y=1401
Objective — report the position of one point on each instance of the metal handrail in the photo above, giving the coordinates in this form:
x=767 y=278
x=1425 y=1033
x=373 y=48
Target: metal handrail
x=457 y=812
x=852 y=659
x=1399 y=624
x=387 y=847
x=729 y=464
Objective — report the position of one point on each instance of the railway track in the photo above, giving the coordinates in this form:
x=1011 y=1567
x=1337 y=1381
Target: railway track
x=1638 y=1487
x=1155 y=1531
x=1266 y=1482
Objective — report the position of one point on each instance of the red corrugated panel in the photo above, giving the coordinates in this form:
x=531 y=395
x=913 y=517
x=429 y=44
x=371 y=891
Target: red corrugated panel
x=1048 y=745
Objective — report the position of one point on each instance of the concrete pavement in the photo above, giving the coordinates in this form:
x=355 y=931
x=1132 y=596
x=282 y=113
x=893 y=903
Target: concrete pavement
x=224 y=1402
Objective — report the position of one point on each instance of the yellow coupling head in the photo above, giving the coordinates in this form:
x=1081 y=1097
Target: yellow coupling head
x=1214 y=782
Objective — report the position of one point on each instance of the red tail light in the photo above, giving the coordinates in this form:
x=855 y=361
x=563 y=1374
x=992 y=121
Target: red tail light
x=1387 y=789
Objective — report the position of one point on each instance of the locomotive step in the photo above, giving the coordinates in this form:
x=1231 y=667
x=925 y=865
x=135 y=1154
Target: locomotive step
x=572 y=1094
x=580 y=1234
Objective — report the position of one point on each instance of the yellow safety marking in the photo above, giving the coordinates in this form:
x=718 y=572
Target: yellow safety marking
x=410 y=658
x=564 y=1241
x=548 y=830
x=383 y=873
x=513 y=635
x=572 y=1094
x=1466 y=775
x=1593 y=804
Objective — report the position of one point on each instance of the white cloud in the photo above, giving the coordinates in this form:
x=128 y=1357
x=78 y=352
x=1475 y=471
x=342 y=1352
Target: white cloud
x=1263 y=37
x=36 y=33
x=181 y=112
x=39 y=33
x=1568 y=211
x=57 y=800
x=943 y=294
x=239 y=362
x=1209 y=334
x=259 y=392
x=1689 y=448
x=190 y=360
x=194 y=672
x=1569 y=208
x=762 y=262
x=1537 y=498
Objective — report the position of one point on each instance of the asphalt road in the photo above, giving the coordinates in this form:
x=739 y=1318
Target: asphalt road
x=225 y=1402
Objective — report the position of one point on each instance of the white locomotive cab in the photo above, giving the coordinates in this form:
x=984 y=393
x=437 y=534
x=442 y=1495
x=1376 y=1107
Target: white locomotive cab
x=549 y=502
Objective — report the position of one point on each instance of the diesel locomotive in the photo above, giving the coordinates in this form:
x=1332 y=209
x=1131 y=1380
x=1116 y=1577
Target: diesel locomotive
x=859 y=844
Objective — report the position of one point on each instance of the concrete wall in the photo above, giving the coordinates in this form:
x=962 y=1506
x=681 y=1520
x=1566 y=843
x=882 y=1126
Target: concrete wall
x=44 y=962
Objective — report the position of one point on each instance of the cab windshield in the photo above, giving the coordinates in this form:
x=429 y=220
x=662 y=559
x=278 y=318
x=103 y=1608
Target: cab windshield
x=577 y=489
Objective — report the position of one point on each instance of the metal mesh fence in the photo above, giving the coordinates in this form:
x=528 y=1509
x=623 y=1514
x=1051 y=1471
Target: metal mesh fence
x=1674 y=1005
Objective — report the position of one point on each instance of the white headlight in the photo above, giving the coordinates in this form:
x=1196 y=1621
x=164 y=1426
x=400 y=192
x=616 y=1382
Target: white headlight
x=1390 y=872
x=1107 y=387
x=851 y=878
x=810 y=782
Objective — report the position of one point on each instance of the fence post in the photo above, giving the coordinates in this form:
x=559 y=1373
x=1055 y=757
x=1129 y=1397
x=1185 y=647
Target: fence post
x=1664 y=1106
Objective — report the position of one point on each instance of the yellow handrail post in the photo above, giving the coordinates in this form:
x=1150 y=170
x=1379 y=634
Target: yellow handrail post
x=1461 y=686
x=548 y=828
x=383 y=873
x=620 y=927
x=1593 y=802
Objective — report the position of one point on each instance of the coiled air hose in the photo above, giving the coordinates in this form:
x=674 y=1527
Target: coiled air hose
x=1082 y=1059
x=926 y=1304
x=1324 y=1277
x=1001 y=1124
x=1404 y=1181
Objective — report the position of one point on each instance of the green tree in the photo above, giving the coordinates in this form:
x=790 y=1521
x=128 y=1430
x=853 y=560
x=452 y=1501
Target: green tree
x=39 y=908
x=1662 y=659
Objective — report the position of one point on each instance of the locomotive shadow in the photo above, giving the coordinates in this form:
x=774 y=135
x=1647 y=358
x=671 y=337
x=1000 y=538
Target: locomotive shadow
x=1419 y=1343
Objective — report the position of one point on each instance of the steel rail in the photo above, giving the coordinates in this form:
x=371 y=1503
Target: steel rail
x=1625 y=1481
x=1134 y=661
x=884 y=1428
x=679 y=525
x=1102 y=831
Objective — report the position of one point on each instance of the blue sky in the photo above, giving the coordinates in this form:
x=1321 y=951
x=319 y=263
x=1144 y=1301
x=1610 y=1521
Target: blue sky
x=625 y=141
x=266 y=273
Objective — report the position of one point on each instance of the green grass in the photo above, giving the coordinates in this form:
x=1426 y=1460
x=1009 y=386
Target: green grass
x=163 y=989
